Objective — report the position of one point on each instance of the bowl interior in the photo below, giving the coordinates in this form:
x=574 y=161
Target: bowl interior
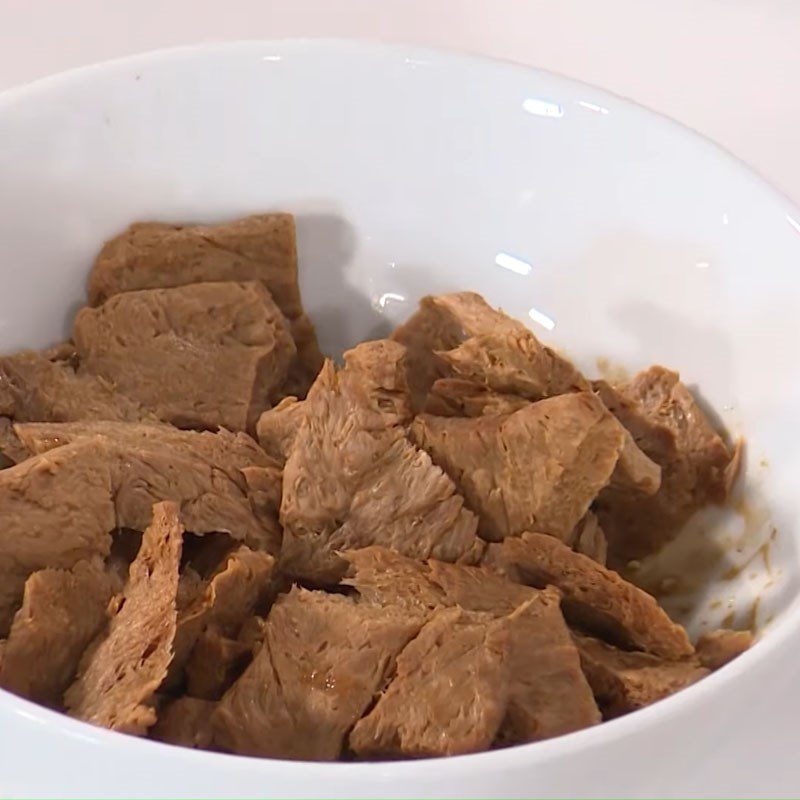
x=619 y=237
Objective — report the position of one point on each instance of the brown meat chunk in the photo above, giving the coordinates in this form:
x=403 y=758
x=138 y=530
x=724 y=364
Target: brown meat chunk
x=668 y=425
x=323 y=659
x=223 y=478
x=55 y=510
x=261 y=248
x=62 y=612
x=623 y=681
x=590 y=540
x=536 y=469
x=120 y=673
x=215 y=663
x=35 y=389
x=199 y=356
x=717 y=648
x=185 y=722
x=378 y=487
x=594 y=597
x=449 y=695
x=442 y=323
x=511 y=360
x=230 y=597
x=548 y=694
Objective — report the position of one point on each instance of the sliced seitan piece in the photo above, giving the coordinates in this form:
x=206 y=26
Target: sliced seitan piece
x=536 y=469
x=185 y=722
x=230 y=597
x=202 y=356
x=594 y=597
x=120 y=673
x=671 y=429
x=450 y=693
x=62 y=611
x=718 y=648
x=548 y=694
x=55 y=510
x=378 y=488
x=511 y=360
x=442 y=323
x=624 y=681
x=323 y=659
x=223 y=475
x=216 y=661
x=35 y=389
x=263 y=248
x=590 y=540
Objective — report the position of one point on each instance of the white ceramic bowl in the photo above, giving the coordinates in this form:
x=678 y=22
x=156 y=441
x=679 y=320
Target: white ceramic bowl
x=616 y=233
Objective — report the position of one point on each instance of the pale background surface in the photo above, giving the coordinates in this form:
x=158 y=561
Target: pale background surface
x=728 y=68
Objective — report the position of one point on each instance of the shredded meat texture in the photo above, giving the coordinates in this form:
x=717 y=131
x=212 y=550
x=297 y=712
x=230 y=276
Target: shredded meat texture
x=215 y=662
x=323 y=659
x=199 y=356
x=12 y=451
x=186 y=722
x=624 y=681
x=456 y=397
x=121 y=672
x=595 y=597
x=671 y=429
x=261 y=248
x=35 y=389
x=449 y=695
x=718 y=648
x=538 y=468
x=379 y=488
x=277 y=427
x=62 y=611
x=230 y=597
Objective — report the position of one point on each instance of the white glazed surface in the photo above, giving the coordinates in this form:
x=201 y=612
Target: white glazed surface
x=628 y=238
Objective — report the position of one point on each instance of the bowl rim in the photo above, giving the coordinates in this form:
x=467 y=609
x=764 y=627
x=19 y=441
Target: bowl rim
x=782 y=631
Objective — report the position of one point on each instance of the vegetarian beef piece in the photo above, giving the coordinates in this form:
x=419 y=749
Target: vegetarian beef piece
x=442 y=323
x=36 y=389
x=186 y=722
x=717 y=648
x=323 y=659
x=449 y=695
x=624 y=681
x=232 y=464
x=378 y=487
x=62 y=611
x=668 y=425
x=199 y=356
x=228 y=599
x=215 y=662
x=55 y=510
x=121 y=671
x=548 y=694
x=590 y=540
x=510 y=360
x=257 y=248
x=536 y=469
x=594 y=597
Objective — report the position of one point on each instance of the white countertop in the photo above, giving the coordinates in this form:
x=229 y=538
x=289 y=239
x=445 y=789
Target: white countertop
x=727 y=68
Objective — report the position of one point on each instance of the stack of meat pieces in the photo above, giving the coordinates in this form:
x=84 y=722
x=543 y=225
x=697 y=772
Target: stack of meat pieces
x=214 y=537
